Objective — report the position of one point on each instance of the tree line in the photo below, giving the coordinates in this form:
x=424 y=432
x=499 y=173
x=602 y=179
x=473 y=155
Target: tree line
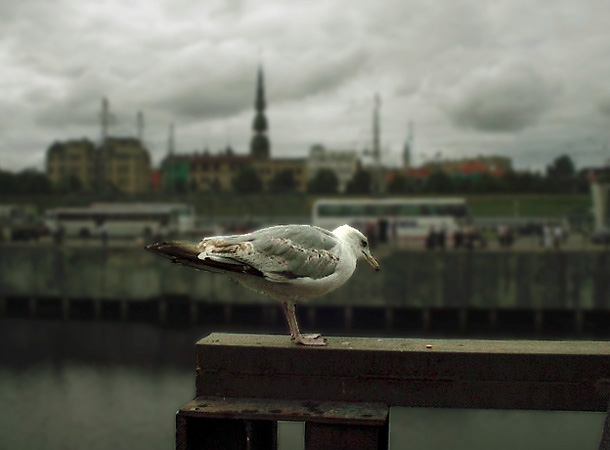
x=560 y=176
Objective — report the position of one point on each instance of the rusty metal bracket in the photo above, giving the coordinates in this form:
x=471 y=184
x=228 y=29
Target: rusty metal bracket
x=251 y=423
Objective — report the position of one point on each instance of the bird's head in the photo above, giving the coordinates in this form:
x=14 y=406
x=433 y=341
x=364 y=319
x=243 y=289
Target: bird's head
x=358 y=242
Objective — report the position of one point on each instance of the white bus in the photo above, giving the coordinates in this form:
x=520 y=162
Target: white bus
x=400 y=219
x=122 y=219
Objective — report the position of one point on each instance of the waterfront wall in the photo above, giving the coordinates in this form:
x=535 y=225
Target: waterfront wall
x=553 y=280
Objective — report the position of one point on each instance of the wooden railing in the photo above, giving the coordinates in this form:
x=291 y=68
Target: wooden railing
x=343 y=392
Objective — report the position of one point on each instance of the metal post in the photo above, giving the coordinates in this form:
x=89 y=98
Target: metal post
x=321 y=436
x=270 y=315
x=162 y=311
x=65 y=308
x=493 y=319
x=124 y=310
x=348 y=317
x=97 y=309
x=426 y=318
x=603 y=387
x=251 y=424
x=604 y=443
x=228 y=312
x=389 y=318
x=32 y=307
x=463 y=319
x=193 y=311
x=579 y=321
x=311 y=316
x=539 y=321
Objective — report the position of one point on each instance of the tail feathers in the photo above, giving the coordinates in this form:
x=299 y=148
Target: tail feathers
x=189 y=254
x=180 y=252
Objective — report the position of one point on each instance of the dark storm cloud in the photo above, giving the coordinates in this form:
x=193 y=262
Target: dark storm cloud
x=501 y=100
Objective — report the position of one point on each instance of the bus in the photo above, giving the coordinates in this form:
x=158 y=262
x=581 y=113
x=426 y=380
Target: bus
x=399 y=219
x=122 y=219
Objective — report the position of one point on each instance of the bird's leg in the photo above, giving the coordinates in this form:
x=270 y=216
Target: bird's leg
x=295 y=334
x=294 y=329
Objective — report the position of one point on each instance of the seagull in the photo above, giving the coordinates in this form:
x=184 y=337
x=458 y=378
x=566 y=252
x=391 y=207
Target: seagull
x=290 y=263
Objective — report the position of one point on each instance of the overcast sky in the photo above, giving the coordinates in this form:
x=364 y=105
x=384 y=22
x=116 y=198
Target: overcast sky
x=526 y=78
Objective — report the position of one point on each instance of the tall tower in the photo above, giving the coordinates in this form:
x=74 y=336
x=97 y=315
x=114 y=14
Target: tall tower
x=140 y=126
x=376 y=131
x=377 y=182
x=171 y=144
x=408 y=148
x=260 y=148
x=105 y=116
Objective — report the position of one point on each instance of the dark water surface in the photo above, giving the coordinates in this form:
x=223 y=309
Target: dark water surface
x=71 y=385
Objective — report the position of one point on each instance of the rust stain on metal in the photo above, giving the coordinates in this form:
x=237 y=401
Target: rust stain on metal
x=271 y=409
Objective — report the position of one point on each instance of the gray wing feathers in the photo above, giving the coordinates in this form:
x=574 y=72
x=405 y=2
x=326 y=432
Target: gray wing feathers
x=307 y=236
x=280 y=253
x=286 y=260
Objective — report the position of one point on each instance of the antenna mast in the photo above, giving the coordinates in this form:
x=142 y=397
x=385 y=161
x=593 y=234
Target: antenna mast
x=170 y=140
x=105 y=116
x=140 y=126
x=376 y=147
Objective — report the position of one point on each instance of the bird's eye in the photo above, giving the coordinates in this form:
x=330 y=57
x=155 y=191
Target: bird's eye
x=364 y=243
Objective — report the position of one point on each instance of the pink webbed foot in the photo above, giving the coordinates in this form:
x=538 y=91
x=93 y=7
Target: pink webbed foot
x=309 y=339
x=311 y=336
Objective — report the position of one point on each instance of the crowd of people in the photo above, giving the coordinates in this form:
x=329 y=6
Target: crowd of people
x=550 y=236
x=553 y=236
x=468 y=237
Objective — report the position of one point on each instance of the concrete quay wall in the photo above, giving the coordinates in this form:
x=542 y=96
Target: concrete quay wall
x=553 y=280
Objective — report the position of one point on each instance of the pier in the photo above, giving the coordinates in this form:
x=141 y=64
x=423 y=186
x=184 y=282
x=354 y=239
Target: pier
x=344 y=392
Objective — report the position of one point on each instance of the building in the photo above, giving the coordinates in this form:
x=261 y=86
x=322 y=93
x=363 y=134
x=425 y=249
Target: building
x=155 y=180
x=216 y=172
x=202 y=171
x=119 y=164
x=343 y=163
x=471 y=167
x=267 y=170
x=124 y=166
x=175 y=170
x=72 y=164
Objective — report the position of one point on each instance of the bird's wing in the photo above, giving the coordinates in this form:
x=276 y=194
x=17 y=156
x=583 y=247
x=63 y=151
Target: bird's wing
x=280 y=254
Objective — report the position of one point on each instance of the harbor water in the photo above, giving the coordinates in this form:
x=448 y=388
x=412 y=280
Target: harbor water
x=101 y=385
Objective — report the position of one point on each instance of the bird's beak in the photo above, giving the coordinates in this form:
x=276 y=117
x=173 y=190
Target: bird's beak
x=372 y=261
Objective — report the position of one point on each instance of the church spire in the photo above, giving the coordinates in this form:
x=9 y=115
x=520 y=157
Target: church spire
x=259 y=145
x=260 y=91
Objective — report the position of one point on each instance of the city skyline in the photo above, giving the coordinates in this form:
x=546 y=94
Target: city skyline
x=508 y=78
